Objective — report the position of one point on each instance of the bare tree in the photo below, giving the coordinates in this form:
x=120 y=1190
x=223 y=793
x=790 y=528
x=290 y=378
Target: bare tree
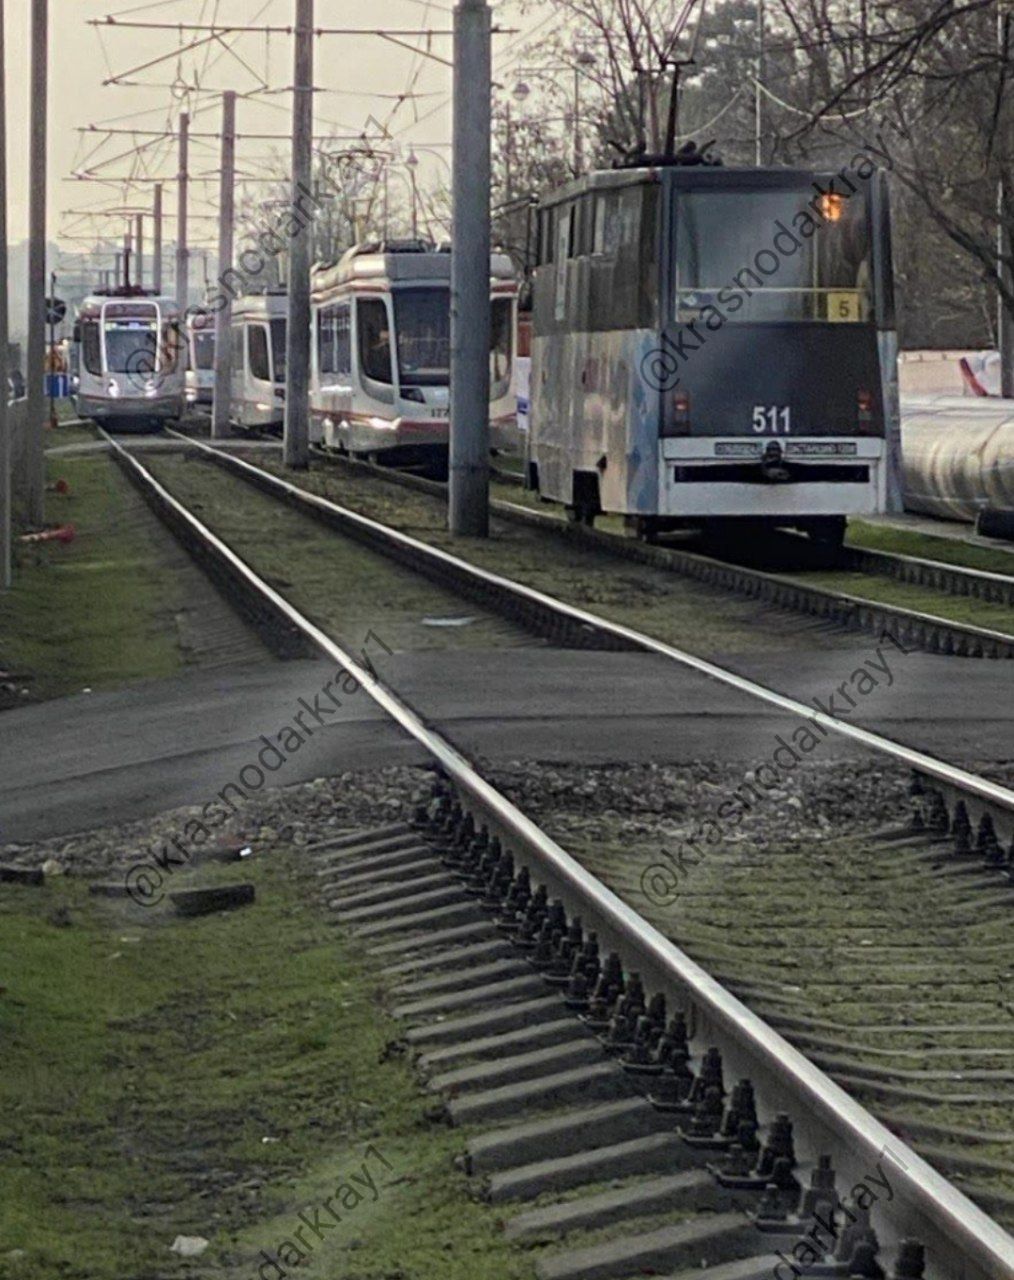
x=627 y=54
x=933 y=82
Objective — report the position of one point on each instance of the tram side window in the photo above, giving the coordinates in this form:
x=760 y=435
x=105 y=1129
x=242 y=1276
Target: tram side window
x=500 y=348
x=606 y=224
x=257 y=349
x=325 y=341
x=374 y=339
x=568 y=231
x=171 y=344
x=623 y=277
x=91 y=347
x=278 y=341
x=343 y=341
x=547 y=235
x=204 y=349
x=333 y=349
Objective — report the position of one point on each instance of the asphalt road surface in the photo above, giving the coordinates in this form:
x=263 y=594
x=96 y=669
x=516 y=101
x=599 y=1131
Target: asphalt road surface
x=84 y=761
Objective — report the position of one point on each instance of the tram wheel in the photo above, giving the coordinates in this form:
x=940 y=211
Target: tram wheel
x=828 y=533
x=581 y=514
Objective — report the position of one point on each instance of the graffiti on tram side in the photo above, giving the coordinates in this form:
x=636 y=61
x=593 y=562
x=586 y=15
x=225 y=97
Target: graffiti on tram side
x=661 y=881
x=146 y=878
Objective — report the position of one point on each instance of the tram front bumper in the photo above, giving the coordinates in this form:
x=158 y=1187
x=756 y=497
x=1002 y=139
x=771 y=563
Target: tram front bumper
x=134 y=407
x=743 y=477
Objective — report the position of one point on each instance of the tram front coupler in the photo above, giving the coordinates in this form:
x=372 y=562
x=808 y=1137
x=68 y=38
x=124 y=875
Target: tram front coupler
x=772 y=465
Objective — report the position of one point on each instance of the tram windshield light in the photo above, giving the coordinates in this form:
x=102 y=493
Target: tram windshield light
x=864 y=399
x=831 y=205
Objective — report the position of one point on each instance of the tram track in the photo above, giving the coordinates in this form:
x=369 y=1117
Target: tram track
x=978 y=812
x=459 y=835
x=927 y=631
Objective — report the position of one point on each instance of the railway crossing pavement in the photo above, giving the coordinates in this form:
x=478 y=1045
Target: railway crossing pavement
x=91 y=759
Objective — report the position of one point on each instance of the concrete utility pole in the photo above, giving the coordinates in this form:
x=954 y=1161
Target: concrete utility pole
x=758 y=157
x=156 y=245
x=223 y=316
x=1004 y=244
x=139 y=249
x=5 y=420
x=35 y=460
x=468 y=505
x=297 y=355
x=182 y=200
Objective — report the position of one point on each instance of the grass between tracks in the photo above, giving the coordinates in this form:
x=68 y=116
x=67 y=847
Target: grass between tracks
x=99 y=610
x=905 y=542
x=215 y=1077
x=638 y=595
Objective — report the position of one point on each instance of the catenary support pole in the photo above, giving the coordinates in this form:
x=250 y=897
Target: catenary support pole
x=223 y=314
x=1004 y=241
x=297 y=356
x=182 y=203
x=156 y=242
x=139 y=249
x=6 y=514
x=758 y=80
x=468 y=505
x=35 y=461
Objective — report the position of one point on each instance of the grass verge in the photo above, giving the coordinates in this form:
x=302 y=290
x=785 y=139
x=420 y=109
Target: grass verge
x=99 y=610
x=215 y=1077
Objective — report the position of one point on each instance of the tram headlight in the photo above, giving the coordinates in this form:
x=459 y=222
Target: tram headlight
x=150 y=390
x=113 y=389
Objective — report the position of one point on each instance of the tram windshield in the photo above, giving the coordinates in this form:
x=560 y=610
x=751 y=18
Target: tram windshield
x=131 y=345
x=203 y=348
x=422 y=319
x=800 y=254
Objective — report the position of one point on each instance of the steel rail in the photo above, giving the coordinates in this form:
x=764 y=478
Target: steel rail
x=944 y=633
x=956 y=579
x=990 y=796
x=962 y=1242
x=935 y=633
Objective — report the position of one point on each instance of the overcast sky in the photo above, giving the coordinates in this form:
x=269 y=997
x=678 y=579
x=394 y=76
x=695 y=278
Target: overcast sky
x=352 y=72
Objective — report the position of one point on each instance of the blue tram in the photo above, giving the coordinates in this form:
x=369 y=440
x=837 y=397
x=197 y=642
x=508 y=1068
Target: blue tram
x=716 y=346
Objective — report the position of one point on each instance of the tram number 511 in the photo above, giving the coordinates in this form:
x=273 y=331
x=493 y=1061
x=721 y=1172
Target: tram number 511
x=772 y=417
